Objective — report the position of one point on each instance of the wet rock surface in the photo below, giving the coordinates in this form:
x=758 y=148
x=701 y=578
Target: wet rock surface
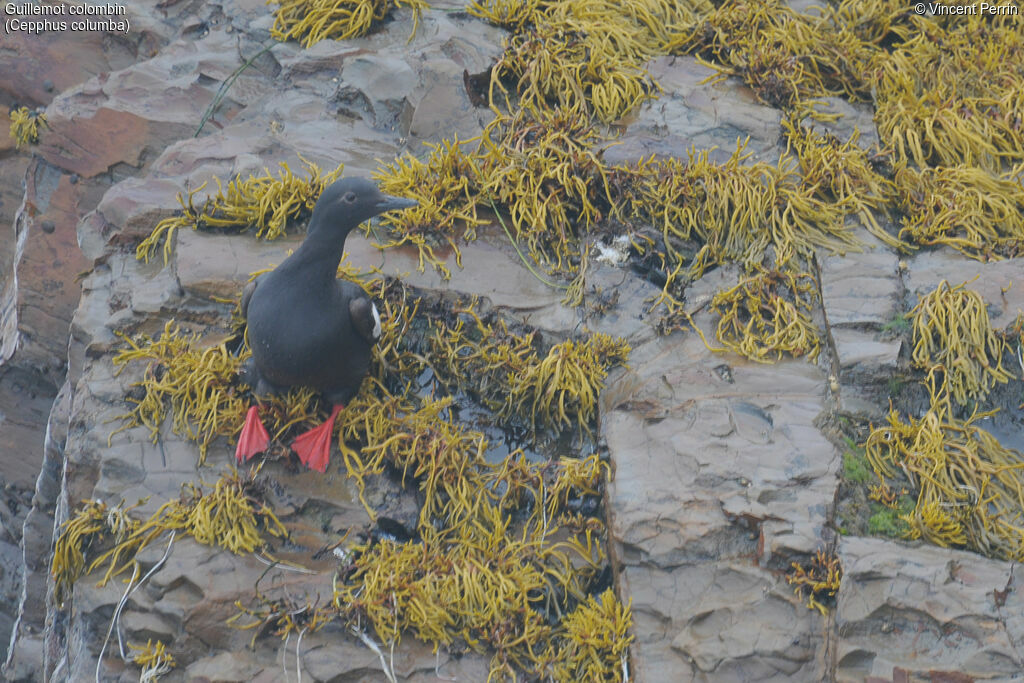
x=943 y=612
x=725 y=470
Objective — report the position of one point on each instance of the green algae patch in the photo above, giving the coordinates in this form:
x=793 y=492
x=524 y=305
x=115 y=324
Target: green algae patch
x=25 y=126
x=855 y=467
x=268 y=203
x=890 y=521
x=868 y=502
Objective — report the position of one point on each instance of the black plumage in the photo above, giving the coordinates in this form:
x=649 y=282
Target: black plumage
x=306 y=327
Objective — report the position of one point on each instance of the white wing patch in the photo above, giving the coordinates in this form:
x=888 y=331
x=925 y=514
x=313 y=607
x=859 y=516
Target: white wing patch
x=376 y=322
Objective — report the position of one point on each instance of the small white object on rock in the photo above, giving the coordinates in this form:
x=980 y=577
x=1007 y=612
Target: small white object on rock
x=614 y=254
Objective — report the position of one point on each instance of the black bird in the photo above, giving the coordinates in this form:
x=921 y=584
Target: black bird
x=308 y=328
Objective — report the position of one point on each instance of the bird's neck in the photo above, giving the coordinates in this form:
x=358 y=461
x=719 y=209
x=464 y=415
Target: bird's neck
x=319 y=254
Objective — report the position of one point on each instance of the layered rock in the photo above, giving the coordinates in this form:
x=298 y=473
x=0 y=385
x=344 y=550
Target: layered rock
x=725 y=474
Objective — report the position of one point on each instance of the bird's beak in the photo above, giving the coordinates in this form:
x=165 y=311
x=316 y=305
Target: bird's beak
x=389 y=203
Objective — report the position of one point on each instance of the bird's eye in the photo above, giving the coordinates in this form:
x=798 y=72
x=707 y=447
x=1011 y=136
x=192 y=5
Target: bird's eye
x=350 y=197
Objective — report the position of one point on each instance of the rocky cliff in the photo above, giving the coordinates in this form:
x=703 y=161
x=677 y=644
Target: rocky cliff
x=726 y=471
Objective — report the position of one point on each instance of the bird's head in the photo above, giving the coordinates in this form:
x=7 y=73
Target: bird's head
x=350 y=201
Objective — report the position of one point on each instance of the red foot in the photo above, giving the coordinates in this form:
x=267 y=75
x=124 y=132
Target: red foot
x=314 y=447
x=253 y=439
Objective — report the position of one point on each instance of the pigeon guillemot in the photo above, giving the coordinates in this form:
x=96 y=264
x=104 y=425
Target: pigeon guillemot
x=308 y=328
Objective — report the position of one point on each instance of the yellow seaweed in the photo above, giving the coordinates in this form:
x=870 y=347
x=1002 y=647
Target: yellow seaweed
x=963 y=207
x=952 y=335
x=818 y=583
x=969 y=487
x=25 y=126
x=767 y=315
x=231 y=516
x=153 y=659
x=267 y=203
